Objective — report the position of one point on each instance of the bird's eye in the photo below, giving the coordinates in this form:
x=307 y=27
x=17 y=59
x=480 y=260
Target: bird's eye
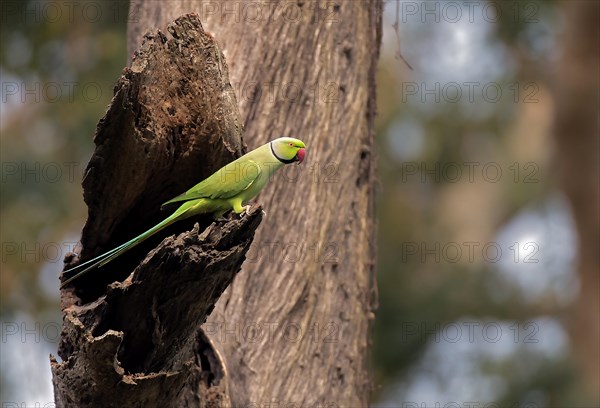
x=291 y=144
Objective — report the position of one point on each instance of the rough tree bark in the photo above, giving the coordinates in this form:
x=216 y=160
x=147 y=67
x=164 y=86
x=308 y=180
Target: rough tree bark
x=293 y=329
x=327 y=51
x=577 y=131
x=172 y=121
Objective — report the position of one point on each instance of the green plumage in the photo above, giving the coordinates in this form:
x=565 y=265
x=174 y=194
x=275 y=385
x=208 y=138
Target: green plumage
x=228 y=188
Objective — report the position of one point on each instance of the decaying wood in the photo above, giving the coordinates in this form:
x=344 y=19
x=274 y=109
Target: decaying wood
x=131 y=328
x=294 y=326
x=139 y=343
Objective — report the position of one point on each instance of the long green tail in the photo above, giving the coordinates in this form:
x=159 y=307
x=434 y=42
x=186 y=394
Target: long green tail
x=106 y=257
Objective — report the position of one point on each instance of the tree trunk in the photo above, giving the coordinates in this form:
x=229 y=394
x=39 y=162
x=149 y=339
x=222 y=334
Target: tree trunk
x=294 y=327
x=577 y=131
x=173 y=120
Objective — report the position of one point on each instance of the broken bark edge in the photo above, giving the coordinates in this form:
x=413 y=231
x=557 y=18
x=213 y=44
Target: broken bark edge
x=142 y=341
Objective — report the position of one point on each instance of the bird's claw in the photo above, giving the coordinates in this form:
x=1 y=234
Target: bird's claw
x=245 y=210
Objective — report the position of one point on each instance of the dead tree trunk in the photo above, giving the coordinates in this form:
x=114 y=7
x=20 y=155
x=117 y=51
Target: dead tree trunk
x=304 y=69
x=173 y=120
x=293 y=329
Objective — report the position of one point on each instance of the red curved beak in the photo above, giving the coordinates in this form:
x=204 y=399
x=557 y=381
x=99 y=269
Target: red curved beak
x=300 y=155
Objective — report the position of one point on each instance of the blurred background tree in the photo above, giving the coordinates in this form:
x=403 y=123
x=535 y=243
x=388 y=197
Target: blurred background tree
x=481 y=227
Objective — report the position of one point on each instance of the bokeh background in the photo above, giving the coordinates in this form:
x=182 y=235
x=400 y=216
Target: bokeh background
x=478 y=248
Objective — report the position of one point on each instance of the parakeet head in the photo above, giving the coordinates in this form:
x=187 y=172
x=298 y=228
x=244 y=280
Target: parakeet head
x=288 y=150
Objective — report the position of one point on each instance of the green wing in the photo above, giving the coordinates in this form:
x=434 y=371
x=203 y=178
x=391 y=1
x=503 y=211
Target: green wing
x=227 y=182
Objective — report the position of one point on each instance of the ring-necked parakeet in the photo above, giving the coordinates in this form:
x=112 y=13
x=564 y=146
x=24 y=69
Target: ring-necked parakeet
x=228 y=188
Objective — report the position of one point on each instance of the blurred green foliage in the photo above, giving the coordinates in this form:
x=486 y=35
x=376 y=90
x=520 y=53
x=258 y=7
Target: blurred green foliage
x=428 y=208
x=58 y=62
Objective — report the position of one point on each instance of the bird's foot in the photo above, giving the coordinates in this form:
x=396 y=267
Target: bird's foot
x=245 y=210
x=263 y=213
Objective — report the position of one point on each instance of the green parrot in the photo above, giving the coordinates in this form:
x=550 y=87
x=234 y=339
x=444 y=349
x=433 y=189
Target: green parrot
x=228 y=188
